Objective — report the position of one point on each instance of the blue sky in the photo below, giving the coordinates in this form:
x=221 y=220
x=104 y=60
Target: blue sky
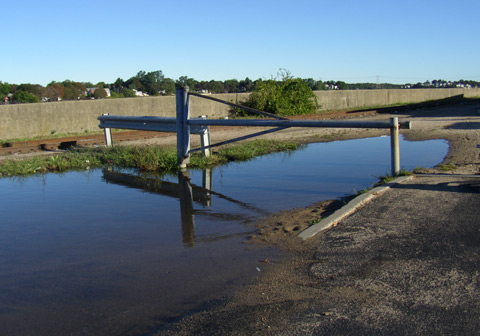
x=354 y=41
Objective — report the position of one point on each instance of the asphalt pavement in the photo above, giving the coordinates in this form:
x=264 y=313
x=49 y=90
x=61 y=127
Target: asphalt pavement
x=405 y=263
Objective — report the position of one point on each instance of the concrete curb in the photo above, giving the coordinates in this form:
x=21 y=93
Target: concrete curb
x=349 y=208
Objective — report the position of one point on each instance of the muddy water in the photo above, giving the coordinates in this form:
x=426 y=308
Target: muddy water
x=111 y=252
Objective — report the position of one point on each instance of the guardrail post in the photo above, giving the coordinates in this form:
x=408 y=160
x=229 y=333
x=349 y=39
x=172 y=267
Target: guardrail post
x=108 y=134
x=395 y=146
x=183 y=129
x=205 y=140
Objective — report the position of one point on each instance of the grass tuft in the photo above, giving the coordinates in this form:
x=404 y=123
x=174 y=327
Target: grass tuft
x=143 y=158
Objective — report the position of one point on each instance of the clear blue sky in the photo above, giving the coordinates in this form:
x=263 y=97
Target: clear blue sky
x=349 y=40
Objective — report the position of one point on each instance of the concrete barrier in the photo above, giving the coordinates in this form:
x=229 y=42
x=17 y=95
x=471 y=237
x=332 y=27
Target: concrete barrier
x=42 y=119
x=338 y=100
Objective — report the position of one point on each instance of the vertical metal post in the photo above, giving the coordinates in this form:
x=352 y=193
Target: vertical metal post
x=395 y=146
x=205 y=140
x=183 y=129
x=108 y=135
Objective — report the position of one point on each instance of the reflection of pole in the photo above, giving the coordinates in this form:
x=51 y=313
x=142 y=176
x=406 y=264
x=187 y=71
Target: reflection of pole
x=186 y=209
x=207 y=185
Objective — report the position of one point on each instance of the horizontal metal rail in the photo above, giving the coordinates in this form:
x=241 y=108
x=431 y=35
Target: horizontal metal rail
x=299 y=123
x=158 y=124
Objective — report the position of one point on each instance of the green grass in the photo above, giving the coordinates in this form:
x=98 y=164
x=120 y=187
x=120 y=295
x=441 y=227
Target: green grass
x=383 y=179
x=143 y=158
x=447 y=167
x=389 y=178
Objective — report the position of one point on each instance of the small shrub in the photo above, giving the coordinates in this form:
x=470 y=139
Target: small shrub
x=289 y=96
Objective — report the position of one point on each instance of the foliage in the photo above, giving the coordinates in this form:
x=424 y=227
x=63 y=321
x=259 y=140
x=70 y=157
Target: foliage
x=314 y=84
x=73 y=90
x=100 y=93
x=114 y=94
x=290 y=96
x=128 y=93
x=54 y=91
x=25 y=97
x=5 y=89
x=336 y=85
x=183 y=81
x=388 y=178
x=154 y=83
x=448 y=167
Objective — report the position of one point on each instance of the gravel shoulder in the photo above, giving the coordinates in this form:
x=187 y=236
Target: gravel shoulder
x=405 y=263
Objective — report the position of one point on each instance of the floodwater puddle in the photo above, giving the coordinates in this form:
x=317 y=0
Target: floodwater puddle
x=117 y=252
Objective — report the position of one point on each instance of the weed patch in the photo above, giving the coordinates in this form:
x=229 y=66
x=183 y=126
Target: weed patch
x=142 y=158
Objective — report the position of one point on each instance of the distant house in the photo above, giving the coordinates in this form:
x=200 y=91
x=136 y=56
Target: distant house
x=140 y=93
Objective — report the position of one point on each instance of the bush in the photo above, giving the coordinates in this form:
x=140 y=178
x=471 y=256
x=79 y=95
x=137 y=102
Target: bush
x=290 y=96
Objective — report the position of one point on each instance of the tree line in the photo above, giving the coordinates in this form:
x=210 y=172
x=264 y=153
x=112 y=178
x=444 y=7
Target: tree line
x=155 y=83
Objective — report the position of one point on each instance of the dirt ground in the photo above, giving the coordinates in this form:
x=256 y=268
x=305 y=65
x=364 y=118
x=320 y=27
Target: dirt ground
x=284 y=294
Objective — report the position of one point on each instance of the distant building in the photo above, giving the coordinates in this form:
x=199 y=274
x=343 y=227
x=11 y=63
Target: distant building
x=140 y=93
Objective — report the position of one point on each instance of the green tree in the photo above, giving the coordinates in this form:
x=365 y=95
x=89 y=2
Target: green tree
x=5 y=89
x=73 y=90
x=216 y=87
x=341 y=85
x=168 y=86
x=245 y=85
x=128 y=93
x=314 y=84
x=34 y=89
x=231 y=85
x=134 y=83
x=114 y=94
x=54 y=91
x=151 y=81
x=183 y=81
x=100 y=93
x=25 y=97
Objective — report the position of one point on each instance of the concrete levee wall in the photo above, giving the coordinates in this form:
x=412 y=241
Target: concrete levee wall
x=29 y=120
x=42 y=119
x=337 y=100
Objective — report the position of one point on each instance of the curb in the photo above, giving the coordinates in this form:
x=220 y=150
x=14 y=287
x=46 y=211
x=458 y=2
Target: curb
x=349 y=208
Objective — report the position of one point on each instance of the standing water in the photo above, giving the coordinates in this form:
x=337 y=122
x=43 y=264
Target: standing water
x=111 y=252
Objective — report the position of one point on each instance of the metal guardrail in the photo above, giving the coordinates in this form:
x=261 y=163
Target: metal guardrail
x=158 y=124
x=147 y=123
x=183 y=125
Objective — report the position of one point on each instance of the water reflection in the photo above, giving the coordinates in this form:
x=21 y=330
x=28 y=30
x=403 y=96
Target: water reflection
x=187 y=193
